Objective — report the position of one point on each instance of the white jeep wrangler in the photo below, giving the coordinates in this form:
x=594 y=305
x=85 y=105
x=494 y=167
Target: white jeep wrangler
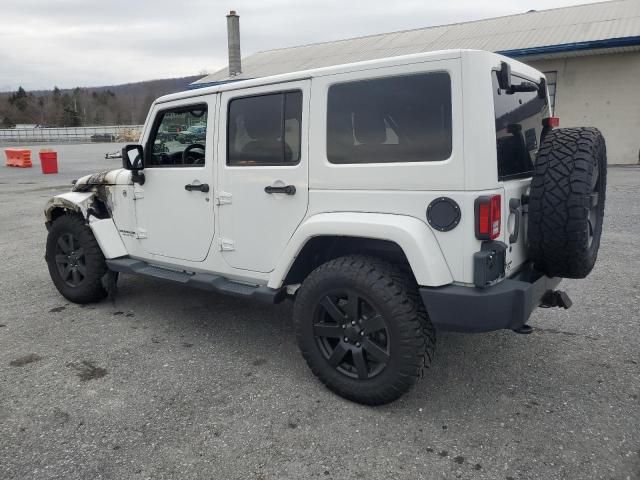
x=389 y=199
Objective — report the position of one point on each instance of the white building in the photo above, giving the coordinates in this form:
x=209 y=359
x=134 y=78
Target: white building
x=590 y=54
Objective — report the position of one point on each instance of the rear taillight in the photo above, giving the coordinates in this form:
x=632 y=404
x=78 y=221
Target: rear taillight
x=551 y=122
x=488 y=217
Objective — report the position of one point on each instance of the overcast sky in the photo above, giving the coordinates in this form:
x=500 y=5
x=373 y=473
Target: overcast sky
x=72 y=43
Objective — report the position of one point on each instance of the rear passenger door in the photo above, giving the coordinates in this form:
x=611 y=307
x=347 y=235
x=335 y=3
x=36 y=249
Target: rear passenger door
x=263 y=181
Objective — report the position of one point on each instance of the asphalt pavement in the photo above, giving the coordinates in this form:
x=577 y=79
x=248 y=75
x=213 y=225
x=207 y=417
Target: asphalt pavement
x=171 y=383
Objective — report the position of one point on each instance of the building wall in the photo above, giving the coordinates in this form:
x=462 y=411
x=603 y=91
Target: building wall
x=602 y=91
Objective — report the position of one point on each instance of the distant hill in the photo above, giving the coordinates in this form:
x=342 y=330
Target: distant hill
x=107 y=105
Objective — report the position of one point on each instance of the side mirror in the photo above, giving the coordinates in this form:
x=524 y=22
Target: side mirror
x=133 y=157
x=504 y=76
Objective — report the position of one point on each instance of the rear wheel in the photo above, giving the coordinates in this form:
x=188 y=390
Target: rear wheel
x=76 y=263
x=362 y=330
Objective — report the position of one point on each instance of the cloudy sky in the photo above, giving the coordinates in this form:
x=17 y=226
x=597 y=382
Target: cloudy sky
x=72 y=43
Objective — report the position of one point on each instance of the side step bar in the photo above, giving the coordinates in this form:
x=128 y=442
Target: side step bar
x=203 y=281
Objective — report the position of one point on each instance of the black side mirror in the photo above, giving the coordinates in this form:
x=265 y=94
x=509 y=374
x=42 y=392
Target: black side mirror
x=132 y=157
x=504 y=76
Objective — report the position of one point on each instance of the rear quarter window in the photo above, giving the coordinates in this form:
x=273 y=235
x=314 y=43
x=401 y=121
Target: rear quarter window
x=393 y=119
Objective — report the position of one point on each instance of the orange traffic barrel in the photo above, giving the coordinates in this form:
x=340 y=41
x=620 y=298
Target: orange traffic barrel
x=48 y=161
x=17 y=157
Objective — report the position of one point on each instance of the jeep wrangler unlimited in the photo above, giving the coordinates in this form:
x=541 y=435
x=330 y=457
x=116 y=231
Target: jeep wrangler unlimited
x=389 y=199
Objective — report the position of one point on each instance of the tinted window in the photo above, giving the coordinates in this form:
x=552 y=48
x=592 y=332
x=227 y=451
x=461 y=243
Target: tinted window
x=518 y=127
x=393 y=119
x=265 y=130
x=178 y=138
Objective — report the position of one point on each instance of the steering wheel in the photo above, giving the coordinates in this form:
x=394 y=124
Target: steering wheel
x=195 y=158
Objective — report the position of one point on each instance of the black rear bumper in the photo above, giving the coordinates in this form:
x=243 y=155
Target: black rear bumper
x=506 y=305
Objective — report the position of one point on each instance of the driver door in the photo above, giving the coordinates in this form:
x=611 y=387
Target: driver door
x=174 y=210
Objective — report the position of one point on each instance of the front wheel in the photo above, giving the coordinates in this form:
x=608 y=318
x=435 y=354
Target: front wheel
x=362 y=329
x=76 y=263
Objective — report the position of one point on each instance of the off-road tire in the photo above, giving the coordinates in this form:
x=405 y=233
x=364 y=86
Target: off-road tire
x=90 y=288
x=564 y=223
x=394 y=295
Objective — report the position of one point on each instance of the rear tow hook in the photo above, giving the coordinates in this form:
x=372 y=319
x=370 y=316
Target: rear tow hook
x=552 y=298
x=555 y=298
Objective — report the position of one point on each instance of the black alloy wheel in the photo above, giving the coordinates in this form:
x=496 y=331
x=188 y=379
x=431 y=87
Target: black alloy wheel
x=362 y=328
x=70 y=260
x=76 y=264
x=352 y=335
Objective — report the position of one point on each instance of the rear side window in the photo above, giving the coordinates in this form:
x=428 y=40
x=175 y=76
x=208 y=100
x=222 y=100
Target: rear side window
x=264 y=130
x=518 y=127
x=393 y=119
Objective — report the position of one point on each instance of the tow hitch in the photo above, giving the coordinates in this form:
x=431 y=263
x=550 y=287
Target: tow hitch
x=552 y=298
x=556 y=298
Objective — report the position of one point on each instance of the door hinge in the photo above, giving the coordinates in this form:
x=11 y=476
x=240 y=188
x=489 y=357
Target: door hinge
x=138 y=194
x=223 y=198
x=141 y=233
x=226 y=245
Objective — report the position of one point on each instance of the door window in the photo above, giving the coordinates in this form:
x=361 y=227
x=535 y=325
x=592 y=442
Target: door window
x=264 y=130
x=393 y=119
x=178 y=138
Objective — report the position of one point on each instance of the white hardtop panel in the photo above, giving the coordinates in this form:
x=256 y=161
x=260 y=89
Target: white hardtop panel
x=481 y=166
x=445 y=174
x=319 y=72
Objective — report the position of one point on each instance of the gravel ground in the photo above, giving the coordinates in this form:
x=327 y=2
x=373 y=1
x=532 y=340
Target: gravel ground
x=167 y=382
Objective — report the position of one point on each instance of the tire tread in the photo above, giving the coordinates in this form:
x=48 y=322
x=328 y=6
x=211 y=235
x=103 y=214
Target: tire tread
x=399 y=292
x=559 y=202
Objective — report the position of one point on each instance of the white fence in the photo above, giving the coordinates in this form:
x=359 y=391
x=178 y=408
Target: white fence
x=114 y=133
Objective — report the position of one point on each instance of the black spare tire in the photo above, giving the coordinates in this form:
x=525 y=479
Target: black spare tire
x=566 y=203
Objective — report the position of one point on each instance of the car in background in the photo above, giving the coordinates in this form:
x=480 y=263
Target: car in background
x=193 y=134
x=103 y=138
x=171 y=133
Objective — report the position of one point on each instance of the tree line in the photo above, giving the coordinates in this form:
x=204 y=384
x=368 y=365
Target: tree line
x=126 y=104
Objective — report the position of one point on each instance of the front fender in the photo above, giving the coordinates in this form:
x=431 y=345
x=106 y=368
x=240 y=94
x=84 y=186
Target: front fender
x=72 y=201
x=104 y=230
x=414 y=237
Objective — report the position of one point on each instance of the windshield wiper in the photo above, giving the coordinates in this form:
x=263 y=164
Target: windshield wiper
x=522 y=87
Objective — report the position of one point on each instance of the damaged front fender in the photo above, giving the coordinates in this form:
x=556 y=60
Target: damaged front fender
x=96 y=213
x=80 y=202
x=91 y=194
x=97 y=181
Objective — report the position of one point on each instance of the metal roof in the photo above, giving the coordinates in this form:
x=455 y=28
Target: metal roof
x=569 y=31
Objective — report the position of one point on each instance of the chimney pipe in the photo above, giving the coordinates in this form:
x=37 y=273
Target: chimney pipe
x=233 y=38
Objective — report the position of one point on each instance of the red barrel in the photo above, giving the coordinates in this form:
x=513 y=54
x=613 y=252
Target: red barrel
x=49 y=161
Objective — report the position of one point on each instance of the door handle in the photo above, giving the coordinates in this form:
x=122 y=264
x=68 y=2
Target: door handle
x=287 y=189
x=203 y=187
